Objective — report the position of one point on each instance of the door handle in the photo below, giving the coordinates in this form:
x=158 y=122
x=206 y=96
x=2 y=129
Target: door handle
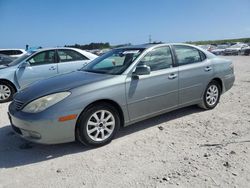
x=207 y=69
x=84 y=64
x=172 y=76
x=52 y=68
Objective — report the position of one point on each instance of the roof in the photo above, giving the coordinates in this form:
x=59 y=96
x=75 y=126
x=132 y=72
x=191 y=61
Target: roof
x=146 y=46
x=141 y=46
x=3 y=49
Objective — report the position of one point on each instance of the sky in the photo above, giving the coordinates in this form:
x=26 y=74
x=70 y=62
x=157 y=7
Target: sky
x=51 y=23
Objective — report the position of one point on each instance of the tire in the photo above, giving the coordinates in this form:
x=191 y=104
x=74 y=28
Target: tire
x=93 y=130
x=6 y=92
x=211 y=96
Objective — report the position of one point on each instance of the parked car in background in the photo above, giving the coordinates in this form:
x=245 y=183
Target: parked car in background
x=39 y=65
x=13 y=52
x=235 y=49
x=246 y=50
x=124 y=86
x=5 y=59
x=99 y=52
x=207 y=47
x=220 y=49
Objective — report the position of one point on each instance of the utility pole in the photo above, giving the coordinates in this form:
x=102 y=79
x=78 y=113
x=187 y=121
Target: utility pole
x=150 y=39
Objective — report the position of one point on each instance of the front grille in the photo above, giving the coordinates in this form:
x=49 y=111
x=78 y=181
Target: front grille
x=18 y=104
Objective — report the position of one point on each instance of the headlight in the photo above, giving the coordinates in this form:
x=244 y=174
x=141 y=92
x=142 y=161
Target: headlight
x=45 y=102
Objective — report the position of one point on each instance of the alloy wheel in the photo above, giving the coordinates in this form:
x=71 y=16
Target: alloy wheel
x=5 y=92
x=212 y=95
x=100 y=125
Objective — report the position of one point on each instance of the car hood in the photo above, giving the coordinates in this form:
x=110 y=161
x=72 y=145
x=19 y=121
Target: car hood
x=59 y=83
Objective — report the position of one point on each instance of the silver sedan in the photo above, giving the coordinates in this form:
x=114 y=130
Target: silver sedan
x=122 y=87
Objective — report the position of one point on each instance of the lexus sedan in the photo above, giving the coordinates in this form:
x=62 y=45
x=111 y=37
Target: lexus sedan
x=39 y=65
x=124 y=86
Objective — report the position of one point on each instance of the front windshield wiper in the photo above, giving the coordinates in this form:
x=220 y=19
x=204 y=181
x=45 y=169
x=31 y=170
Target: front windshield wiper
x=97 y=72
x=93 y=71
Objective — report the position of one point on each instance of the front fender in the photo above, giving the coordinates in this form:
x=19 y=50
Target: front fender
x=83 y=96
x=9 y=74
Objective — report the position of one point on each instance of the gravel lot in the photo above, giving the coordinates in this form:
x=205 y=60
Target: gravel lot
x=185 y=148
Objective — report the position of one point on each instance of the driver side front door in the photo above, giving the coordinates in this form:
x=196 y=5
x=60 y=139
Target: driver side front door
x=152 y=94
x=40 y=66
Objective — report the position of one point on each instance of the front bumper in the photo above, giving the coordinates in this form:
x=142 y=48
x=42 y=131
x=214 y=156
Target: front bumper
x=43 y=129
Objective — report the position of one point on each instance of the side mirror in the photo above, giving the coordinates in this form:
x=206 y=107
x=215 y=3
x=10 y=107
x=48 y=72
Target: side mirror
x=142 y=70
x=25 y=64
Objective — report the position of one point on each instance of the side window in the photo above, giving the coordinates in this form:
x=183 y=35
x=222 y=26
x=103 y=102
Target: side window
x=203 y=56
x=158 y=59
x=46 y=57
x=188 y=55
x=6 y=52
x=18 y=52
x=70 y=55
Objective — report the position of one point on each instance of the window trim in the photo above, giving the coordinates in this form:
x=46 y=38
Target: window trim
x=199 y=51
x=33 y=65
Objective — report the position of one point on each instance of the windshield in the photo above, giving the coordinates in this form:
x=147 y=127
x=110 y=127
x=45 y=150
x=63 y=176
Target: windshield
x=19 y=60
x=114 y=62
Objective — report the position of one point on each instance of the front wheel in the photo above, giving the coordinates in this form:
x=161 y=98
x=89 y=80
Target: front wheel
x=211 y=96
x=98 y=125
x=6 y=92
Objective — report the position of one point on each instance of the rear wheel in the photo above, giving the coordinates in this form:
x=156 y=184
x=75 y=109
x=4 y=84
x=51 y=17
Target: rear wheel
x=211 y=96
x=98 y=125
x=6 y=92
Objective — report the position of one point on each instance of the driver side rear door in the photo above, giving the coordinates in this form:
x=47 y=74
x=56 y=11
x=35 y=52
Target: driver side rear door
x=70 y=60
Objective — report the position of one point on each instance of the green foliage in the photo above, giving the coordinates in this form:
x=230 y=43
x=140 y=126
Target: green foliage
x=91 y=46
x=244 y=40
x=121 y=45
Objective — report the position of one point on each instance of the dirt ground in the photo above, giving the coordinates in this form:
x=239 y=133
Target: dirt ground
x=185 y=148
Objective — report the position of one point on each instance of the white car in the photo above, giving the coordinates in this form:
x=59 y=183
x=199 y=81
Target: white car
x=13 y=52
x=39 y=65
x=220 y=49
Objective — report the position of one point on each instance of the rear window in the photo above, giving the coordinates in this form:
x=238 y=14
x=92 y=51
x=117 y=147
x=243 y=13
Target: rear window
x=18 y=52
x=6 y=52
x=11 y=52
